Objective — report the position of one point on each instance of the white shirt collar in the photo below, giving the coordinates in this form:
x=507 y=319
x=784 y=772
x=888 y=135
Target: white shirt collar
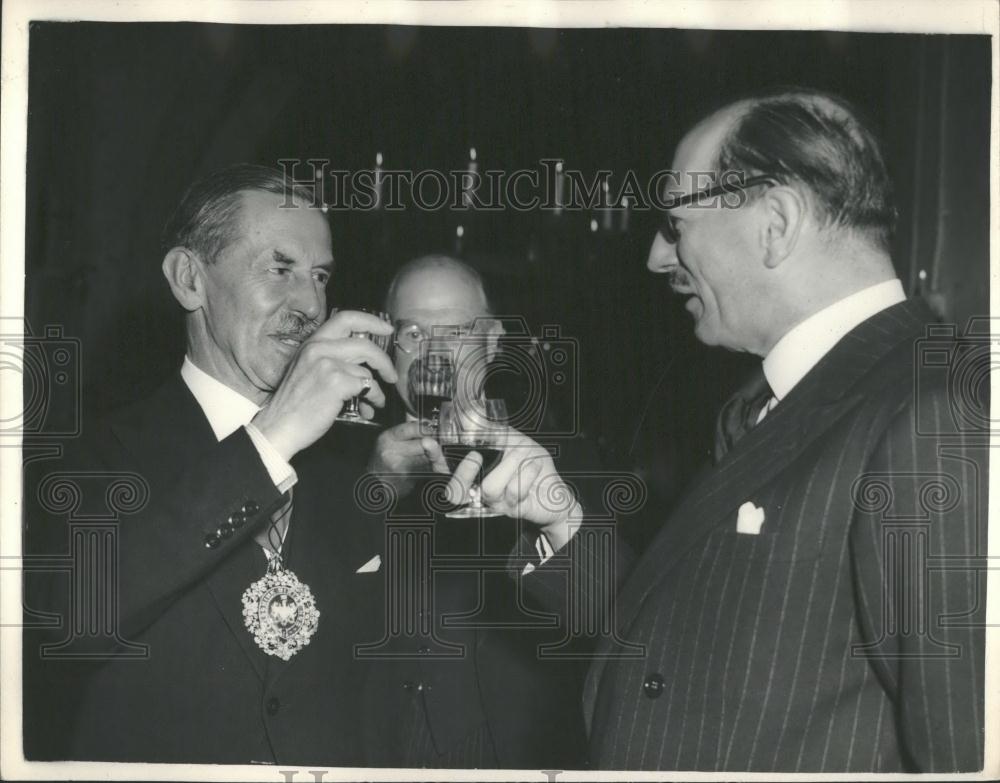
x=226 y=409
x=806 y=343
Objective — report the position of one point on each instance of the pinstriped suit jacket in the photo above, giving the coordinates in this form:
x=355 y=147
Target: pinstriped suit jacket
x=842 y=637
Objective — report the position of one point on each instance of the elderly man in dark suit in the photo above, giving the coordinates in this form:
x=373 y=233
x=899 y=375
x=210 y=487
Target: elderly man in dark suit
x=240 y=588
x=813 y=604
x=498 y=704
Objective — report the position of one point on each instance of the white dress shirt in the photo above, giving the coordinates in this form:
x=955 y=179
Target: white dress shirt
x=802 y=347
x=227 y=410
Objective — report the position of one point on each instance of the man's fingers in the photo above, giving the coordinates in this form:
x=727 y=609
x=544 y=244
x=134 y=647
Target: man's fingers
x=343 y=322
x=408 y=449
x=366 y=386
x=407 y=431
x=518 y=490
x=432 y=450
x=375 y=396
x=463 y=478
x=357 y=351
x=498 y=478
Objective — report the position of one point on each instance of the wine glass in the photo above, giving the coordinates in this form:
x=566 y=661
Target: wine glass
x=430 y=383
x=351 y=414
x=467 y=426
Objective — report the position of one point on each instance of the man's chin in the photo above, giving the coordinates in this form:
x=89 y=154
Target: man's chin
x=272 y=372
x=704 y=332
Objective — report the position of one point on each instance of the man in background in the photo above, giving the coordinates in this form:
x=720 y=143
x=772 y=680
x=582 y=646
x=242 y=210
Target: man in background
x=499 y=704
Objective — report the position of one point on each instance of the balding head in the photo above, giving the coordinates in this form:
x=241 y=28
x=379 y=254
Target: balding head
x=429 y=294
x=812 y=230
x=436 y=283
x=820 y=143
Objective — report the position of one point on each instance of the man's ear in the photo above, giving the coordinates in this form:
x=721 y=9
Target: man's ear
x=785 y=212
x=182 y=269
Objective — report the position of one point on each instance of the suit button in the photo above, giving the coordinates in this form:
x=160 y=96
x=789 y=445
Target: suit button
x=273 y=705
x=653 y=686
x=250 y=507
x=225 y=530
x=212 y=540
x=236 y=520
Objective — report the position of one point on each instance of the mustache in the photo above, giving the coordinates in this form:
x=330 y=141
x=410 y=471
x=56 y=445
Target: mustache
x=296 y=326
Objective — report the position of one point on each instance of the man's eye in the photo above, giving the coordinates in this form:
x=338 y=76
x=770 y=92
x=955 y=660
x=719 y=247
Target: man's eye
x=280 y=270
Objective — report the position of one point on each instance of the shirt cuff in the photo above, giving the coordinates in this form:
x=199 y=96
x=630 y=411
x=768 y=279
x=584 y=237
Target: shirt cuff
x=282 y=474
x=544 y=550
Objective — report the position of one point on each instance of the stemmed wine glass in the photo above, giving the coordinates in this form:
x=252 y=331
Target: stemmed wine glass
x=351 y=414
x=430 y=384
x=467 y=426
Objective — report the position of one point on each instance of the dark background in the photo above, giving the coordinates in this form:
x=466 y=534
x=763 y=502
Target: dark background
x=122 y=117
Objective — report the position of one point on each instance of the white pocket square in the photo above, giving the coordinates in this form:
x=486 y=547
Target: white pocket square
x=749 y=519
x=371 y=566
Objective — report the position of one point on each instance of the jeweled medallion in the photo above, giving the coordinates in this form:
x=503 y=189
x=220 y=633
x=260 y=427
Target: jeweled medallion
x=280 y=612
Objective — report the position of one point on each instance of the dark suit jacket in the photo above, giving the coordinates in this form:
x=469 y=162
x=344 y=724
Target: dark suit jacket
x=465 y=682
x=847 y=635
x=205 y=692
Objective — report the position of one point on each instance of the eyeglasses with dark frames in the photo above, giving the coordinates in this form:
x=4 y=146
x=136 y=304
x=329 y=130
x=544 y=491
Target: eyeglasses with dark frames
x=668 y=227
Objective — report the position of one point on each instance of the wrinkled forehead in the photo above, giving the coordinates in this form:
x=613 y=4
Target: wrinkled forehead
x=268 y=217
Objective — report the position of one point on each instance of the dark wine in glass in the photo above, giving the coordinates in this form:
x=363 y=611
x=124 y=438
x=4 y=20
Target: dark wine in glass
x=468 y=426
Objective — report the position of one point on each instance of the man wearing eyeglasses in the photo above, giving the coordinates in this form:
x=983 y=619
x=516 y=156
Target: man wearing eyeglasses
x=431 y=296
x=813 y=603
x=496 y=704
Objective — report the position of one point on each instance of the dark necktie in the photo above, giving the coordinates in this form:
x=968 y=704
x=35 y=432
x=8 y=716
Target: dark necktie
x=739 y=415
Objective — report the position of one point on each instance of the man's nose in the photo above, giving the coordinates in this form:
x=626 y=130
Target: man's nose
x=662 y=255
x=309 y=299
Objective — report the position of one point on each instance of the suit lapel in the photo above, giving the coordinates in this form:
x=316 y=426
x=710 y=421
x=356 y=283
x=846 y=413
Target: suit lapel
x=226 y=584
x=327 y=541
x=813 y=407
x=165 y=430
